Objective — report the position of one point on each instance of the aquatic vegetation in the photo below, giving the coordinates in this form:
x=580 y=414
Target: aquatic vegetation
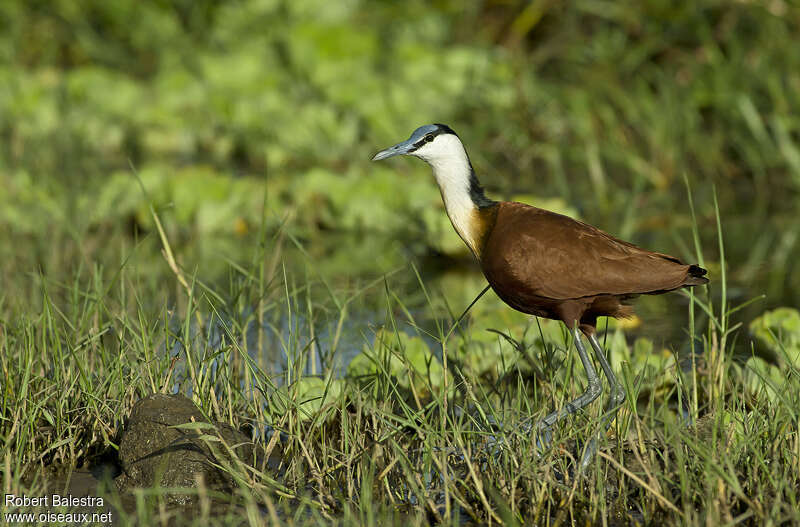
x=311 y=397
x=779 y=331
x=406 y=360
x=173 y=171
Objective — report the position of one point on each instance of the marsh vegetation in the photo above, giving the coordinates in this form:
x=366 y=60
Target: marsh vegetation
x=188 y=206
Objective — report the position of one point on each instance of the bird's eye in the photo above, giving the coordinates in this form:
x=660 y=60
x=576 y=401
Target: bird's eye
x=428 y=138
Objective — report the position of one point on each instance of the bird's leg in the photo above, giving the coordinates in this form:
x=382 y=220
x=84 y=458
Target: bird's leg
x=617 y=391
x=593 y=390
x=614 y=401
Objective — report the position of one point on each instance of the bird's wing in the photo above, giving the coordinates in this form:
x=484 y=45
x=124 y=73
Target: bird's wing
x=539 y=252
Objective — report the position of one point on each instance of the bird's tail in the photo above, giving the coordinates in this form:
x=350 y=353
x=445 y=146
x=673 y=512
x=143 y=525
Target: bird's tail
x=695 y=276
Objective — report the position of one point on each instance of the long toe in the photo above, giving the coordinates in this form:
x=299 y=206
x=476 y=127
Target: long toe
x=589 y=452
x=544 y=437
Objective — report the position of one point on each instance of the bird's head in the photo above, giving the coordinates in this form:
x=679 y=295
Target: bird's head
x=433 y=143
x=440 y=147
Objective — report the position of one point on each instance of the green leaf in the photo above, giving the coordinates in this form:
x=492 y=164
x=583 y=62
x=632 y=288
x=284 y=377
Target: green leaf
x=405 y=358
x=759 y=375
x=307 y=396
x=779 y=331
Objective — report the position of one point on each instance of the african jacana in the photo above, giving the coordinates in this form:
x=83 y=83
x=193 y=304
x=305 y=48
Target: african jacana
x=546 y=264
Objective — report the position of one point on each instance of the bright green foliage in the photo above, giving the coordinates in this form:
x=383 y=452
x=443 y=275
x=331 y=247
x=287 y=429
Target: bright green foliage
x=489 y=355
x=760 y=375
x=589 y=110
x=779 y=331
x=310 y=397
x=173 y=167
x=405 y=359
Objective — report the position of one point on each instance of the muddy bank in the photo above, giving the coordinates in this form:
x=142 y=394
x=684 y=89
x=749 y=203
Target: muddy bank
x=168 y=442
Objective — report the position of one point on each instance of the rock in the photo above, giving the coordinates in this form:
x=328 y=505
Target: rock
x=154 y=453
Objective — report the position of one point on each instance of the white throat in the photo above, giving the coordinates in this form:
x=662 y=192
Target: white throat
x=451 y=168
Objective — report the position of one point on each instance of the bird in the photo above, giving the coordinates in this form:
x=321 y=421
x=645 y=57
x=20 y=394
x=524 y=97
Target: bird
x=547 y=264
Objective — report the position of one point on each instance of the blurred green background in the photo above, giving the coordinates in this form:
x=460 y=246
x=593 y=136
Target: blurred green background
x=249 y=121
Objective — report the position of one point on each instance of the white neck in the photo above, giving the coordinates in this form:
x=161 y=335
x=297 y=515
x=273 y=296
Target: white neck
x=452 y=171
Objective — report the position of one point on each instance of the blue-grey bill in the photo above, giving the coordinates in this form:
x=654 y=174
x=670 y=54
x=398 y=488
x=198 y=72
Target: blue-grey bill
x=396 y=150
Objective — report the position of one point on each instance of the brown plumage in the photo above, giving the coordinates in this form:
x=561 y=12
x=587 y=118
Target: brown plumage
x=553 y=266
x=547 y=264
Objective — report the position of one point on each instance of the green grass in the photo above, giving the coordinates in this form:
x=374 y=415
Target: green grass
x=250 y=126
x=390 y=447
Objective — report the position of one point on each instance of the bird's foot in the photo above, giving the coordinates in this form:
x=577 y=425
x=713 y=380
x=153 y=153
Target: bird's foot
x=544 y=437
x=544 y=440
x=589 y=451
x=541 y=432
